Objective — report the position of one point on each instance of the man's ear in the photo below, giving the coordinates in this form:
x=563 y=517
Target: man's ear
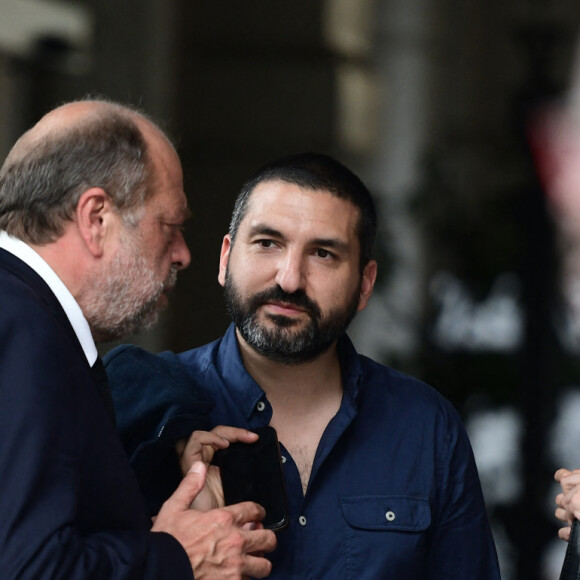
x=224 y=258
x=93 y=214
x=369 y=278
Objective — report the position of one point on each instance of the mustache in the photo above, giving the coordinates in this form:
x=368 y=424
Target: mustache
x=298 y=298
x=171 y=280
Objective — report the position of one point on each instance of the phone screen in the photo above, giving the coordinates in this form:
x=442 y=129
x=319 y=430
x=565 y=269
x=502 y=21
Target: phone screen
x=253 y=472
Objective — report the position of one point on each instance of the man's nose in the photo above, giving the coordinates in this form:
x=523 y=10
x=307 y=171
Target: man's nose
x=291 y=274
x=181 y=255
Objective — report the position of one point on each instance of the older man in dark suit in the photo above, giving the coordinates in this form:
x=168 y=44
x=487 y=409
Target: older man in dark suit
x=91 y=214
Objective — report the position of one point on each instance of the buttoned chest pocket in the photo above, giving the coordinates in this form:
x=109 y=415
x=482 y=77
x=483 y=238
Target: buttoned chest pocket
x=385 y=535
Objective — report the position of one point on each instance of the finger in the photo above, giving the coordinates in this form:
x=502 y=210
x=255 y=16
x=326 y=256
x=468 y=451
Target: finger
x=199 y=438
x=564 y=533
x=200 y=446
x=190 y=486
x=562 y=515
x=232 y=434
x=257 y=567
x=560 y=473
x=571 y=503
x=253 y=526
x=570 y=482
x=245 y=512
x=259 y=541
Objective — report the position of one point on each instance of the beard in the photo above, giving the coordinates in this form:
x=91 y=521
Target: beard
x=126 y=298
x=283 y=343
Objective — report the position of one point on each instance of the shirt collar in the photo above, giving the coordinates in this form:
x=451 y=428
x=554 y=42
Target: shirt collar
x=350 y=367
x=73 y=311
x=248 y=393
x=241 y=385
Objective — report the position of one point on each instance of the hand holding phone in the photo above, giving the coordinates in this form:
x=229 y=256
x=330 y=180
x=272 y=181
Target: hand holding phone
x=253 y=472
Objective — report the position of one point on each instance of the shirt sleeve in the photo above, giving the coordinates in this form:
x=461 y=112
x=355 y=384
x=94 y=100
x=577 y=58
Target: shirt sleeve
x=462 y=546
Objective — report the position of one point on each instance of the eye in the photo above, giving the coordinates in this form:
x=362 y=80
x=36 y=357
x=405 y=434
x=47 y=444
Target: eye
x=178 y=227
x=324 y=254
x=266 y=243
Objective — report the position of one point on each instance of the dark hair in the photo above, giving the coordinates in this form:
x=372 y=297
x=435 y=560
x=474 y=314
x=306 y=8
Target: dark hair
x=42 y=180
x=318 y=172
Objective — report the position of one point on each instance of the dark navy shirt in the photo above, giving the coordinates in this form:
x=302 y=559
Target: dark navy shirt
x=393 y=493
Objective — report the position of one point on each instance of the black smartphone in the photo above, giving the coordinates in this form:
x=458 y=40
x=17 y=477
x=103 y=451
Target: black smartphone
x=253 y=472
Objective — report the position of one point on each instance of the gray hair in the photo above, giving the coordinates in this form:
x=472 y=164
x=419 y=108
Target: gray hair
x=43 y=179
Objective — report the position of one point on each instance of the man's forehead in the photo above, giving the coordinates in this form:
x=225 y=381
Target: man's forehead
x=169 y=201
x=273 y=191
x=278 y=207
x=268 y=195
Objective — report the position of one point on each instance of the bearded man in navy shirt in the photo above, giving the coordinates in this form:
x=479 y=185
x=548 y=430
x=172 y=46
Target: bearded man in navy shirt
x=380 y=475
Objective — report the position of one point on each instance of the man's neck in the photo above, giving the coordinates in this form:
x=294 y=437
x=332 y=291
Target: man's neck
x=304 y=398
x=293 y=383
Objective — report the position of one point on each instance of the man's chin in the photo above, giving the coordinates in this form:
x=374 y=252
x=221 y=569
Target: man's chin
x=162 y=302
x=274 y=322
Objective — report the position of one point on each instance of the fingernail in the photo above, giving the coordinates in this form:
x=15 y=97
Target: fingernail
x=197 y=467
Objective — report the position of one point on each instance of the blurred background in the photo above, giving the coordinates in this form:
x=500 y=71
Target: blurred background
x=445 y=109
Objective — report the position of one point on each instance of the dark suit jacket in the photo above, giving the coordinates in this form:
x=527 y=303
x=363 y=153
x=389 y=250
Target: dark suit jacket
x=70 y=506
x=161 y=404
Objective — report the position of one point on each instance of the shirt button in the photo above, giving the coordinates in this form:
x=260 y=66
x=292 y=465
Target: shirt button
x=302 y=520
x=261 y=406
x=390 y=516
x=283 y=458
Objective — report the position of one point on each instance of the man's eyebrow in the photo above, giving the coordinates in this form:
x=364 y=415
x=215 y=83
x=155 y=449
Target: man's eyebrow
x=334 y=243
x=183 y=214
x=180 y=215
x=264 y=230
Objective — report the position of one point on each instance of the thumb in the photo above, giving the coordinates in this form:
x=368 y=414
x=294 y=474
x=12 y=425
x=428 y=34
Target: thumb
x=190 y=485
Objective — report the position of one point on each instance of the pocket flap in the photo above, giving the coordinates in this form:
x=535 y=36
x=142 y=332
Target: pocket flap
x=387 y=512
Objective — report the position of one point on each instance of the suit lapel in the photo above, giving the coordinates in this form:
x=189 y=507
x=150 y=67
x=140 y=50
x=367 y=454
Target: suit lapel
x=20 y=269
